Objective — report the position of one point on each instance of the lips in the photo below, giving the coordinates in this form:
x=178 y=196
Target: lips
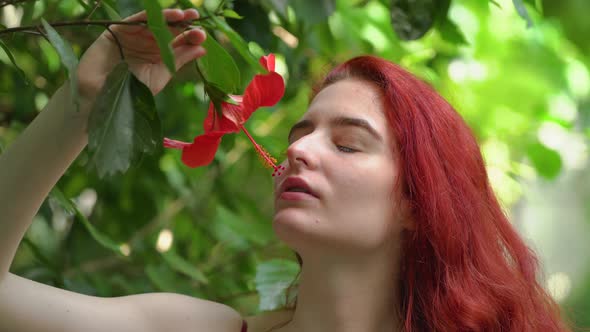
x=295 y=184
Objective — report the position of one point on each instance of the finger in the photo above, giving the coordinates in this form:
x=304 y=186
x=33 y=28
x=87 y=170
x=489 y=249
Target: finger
x=172 y=15
x=194 y=36
x=186 y=53
x=186 y=16
x=169 y=14
x=191 y=14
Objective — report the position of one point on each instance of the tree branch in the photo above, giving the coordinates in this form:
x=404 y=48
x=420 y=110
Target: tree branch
x=103 y=23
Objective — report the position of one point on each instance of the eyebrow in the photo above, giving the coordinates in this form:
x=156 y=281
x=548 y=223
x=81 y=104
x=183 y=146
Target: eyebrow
x=339 y=121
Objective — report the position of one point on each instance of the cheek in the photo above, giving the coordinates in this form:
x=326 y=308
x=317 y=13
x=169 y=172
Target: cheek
x=364 y=205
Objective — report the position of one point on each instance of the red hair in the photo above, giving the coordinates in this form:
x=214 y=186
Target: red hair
x=464 y=267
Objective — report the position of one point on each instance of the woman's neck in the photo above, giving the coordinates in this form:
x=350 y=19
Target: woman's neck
x=351 y=296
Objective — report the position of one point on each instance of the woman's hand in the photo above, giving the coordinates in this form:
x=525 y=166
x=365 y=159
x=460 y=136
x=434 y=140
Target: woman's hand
x=141 y=52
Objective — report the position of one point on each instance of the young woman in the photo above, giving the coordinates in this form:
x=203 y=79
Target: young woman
x=384 y=197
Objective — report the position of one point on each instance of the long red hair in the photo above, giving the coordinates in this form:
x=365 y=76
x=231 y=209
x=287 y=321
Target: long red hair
x=464 y=267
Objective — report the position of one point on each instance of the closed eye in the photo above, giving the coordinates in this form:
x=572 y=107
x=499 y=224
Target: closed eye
x=345 y=149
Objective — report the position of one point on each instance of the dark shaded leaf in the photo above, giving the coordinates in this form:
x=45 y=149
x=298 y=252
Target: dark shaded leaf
x=185 y=4
x=411 y=19
x=123 y=124
x=313 y=12
x=256 y=27
x=159 y=28
x=110 y=125
x=546 y=161
x=237 y=41
x=450 y=32
x=219 y=67
x=147 y=128
x=522 y=11
x=272 y=280
x=216 y=95
x=11 y=57
x=67 y=56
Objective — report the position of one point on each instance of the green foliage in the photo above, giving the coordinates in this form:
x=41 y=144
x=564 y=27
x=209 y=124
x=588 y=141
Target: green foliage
x=158 y=26
x=219 y=67
x=67 y=56
x=273 y=278
x=509 y=83
x=111 y=124
x=11 y=57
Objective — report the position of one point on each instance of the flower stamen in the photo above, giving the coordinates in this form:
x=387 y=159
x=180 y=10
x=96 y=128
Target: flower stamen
x=266 y=158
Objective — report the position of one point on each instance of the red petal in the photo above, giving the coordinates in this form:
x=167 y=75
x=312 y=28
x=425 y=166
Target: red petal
x=202 y=151
x=174 y=144
x=268 y=62
x=264 y=90
x=228 y=123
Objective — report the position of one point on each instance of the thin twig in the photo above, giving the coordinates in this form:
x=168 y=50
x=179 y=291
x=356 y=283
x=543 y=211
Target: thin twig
x=118 y=43
x=96 y=5
x=42 y=33
x=103 y=23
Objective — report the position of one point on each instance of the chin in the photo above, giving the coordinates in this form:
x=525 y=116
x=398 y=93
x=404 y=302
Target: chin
x=292 y=226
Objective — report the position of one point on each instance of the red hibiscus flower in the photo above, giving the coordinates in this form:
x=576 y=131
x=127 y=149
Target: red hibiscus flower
x=263 y=90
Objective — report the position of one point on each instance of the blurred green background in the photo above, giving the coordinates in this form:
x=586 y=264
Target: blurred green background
x=518 y=72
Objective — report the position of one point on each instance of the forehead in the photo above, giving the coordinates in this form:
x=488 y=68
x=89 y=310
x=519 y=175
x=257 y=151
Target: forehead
x=349 y=98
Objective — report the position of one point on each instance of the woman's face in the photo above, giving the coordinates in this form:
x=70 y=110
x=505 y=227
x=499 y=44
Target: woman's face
x=337 y=189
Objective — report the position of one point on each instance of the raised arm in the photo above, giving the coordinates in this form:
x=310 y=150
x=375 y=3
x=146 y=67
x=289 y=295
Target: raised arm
x=38 y=158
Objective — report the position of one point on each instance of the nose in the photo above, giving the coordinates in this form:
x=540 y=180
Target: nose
x=302 y=153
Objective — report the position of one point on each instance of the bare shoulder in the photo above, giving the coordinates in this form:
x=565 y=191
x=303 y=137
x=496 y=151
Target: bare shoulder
x=266 y=320
x=177 y=312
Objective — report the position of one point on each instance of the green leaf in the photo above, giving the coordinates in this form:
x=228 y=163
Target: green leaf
x=272 y=280
x=127 y=7
x=216 y=95
x=111 y=12
x=57 y=195
x=411 y=19
x=546 y=161
x=157 y=25
x=68 y=58
x=84 y=5
x=450 y=32
x=181 y=265
x=11 y=57
x=313 y=12
x=231 y=14
x=237 y=41
x=110 y=125
x=123 y=123
x=161 y=277
x=147 y=128
x=522 y=11
x=219 y=67
x=185 y=4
